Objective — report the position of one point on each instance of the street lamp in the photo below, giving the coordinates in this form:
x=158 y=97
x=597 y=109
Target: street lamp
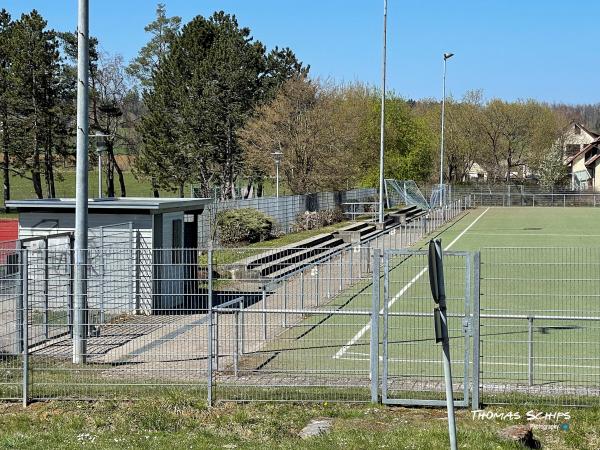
x=277 y=157
x=382 y=131
x=100 y=150
x=447 y=56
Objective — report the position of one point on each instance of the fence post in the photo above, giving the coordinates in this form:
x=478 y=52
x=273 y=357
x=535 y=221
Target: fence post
x=476 y=330
x=317 y=279
x=374 y=366
x=285 y=292
x=302 y=289
x=242 y=326
x=46 y=290
x=101 y=275
x=328 y=278
x=351 y=263
x=209 y=359
x=264 y=305
x=530 y=350
x=70 y=291
x=216 y=347
x=341 y=270
x=131 y=267
x=25 y=302
x=236 y=340
x=19 y=305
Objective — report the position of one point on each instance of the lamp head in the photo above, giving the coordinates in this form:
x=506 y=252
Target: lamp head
x=448 y=55
x=277 y=156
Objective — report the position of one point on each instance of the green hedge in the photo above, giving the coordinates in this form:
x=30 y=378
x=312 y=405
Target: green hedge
x=244 y=226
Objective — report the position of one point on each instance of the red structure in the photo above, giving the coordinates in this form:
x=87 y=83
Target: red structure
x=9 y=229
x=9 y=233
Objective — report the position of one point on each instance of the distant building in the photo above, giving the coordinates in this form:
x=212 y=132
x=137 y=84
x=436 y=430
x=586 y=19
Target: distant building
x=477 y=173
x=581 y=149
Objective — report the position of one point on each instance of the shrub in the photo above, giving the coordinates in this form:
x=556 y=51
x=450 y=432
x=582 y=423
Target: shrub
x=245 y=225
x=311 y=220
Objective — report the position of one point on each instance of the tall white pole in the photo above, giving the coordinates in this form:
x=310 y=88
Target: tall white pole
x=442 y=137
x=99 y=175
x=81 y=200
x=277 y=179
x=382 y=137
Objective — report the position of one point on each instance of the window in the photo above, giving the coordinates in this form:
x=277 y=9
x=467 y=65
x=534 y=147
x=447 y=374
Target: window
x=572 y=149
x=577 y=130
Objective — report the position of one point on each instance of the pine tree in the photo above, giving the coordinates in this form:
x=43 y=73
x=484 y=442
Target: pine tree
x=202 y=92
x=163 y=30
x=35 y=62
x=5 y=94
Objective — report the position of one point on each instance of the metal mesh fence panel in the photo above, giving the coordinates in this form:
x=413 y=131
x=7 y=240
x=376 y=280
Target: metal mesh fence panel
x=11 y=312
x=131 y=352
x=230 y=324
x=284 y=210
x=540 y=325
x=413 y=371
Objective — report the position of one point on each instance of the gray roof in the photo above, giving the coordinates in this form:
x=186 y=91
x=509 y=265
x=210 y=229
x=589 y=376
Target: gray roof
x=152 y=205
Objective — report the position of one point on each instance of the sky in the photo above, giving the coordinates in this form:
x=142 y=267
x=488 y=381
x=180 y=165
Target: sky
x=548 y=50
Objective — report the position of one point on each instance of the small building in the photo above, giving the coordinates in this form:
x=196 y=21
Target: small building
x=136 y=257
x=579 y=146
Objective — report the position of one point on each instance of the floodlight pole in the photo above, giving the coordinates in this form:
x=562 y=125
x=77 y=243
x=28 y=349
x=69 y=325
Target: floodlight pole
x=277 y=157
x=382 y=137
x=447 y=56
x=81 y=197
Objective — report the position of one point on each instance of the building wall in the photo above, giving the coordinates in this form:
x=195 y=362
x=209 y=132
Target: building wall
x=38 y=223
x=119 y=276
x=582 y=139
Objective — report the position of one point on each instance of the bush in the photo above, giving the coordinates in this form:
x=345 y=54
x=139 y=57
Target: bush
x=244 y=226
x=311 y=220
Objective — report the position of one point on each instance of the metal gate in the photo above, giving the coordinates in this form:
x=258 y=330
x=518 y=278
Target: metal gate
x=412 y=362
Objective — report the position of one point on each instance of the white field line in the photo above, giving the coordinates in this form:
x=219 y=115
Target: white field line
x=408 y=285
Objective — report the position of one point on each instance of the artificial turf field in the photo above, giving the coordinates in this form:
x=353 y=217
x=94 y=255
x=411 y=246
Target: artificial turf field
x=535 y=262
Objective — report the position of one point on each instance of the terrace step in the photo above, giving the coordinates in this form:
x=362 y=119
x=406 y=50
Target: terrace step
x=308 y=261
x=406 y=214
x=314 y=241
x=354 y=233
x=298 y=256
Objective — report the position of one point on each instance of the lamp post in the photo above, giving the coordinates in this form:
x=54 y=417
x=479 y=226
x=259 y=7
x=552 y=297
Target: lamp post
x=382 y=131
x=81 y=196
x=447 y=56
x=100 y=150
x=277 y=157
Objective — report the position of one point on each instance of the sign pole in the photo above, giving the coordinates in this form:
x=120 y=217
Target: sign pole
x=438 y=291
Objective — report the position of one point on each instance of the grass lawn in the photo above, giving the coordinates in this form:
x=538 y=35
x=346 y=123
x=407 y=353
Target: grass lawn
x=176 y=421
x=21 y=188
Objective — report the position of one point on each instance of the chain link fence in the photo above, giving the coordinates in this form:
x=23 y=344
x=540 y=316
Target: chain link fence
x=302 y=323
x=284 y=209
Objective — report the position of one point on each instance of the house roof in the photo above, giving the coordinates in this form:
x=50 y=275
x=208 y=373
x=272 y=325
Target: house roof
x=591 y=133
x=592 y=159
x=583 y=150
x=117 y=204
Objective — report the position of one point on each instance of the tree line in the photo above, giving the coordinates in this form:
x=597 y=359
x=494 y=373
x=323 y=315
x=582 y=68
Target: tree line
x=205 y=103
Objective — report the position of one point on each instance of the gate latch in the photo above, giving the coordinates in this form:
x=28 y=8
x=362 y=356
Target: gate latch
x=467 y=326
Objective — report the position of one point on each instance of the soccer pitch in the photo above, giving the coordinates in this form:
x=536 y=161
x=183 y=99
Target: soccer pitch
x=536 y=263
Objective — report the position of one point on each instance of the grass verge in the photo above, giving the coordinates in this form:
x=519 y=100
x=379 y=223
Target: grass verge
x=176 y=420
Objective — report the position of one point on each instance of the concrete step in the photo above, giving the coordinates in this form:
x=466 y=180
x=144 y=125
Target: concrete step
x=276 y=265
x=263 y=258
x=310 y=260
